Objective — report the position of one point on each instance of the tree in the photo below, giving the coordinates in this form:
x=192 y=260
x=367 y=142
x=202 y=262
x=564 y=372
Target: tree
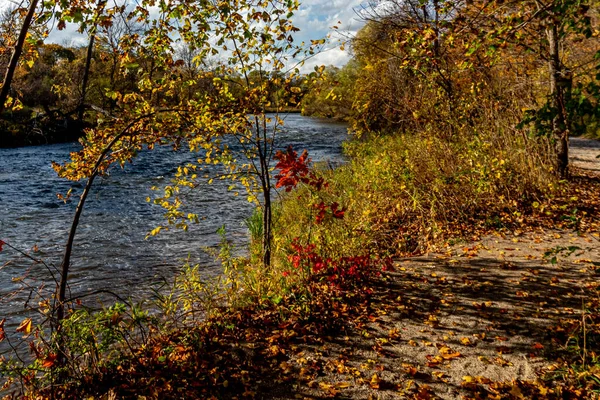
x=90 y=49
x=463 y=52
x=14 y=59
x=546 y=29
x=332 y=94
x=9 y=26
x=232 y=131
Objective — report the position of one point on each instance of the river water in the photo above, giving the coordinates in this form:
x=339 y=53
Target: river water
x=110 y=248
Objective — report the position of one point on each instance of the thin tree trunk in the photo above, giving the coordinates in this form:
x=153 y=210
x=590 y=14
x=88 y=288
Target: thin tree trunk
x=436 y=29
x=60 y=296
x=14 y=59
x=266 y=188
x=560 y=131
x=88 y=60
x=267 y=224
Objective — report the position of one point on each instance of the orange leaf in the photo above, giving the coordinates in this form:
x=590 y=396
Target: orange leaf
x=447 y=353
x=49 y=361
x=2 y=333
x=450 y=356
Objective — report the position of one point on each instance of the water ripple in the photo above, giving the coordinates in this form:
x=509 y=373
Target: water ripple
x=110 y=248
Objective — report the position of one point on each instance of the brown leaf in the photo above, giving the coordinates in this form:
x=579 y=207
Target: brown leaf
x=503 y=350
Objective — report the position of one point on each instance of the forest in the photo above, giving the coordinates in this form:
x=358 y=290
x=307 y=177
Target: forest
x=454 y=254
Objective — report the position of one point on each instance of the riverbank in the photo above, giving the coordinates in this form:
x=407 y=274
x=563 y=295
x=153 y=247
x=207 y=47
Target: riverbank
x=19 y=129
x=511 y=314
x=506 y=310
x=492 y=317
x=111 y=249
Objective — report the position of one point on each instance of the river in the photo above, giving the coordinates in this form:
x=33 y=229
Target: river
x=110 y=249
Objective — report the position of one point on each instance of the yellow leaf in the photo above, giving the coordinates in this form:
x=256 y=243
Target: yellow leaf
x=516 y=392
x=374 y=381
x=325 y=386
x=343 y=385
x=25 y=326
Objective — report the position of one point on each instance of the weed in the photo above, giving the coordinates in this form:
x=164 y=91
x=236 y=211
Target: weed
x=552 y=254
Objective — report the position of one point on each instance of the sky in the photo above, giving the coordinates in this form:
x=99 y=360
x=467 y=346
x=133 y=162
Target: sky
x=314 y=18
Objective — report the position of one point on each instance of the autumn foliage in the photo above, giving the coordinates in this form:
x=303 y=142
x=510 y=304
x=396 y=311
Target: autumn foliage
x=294 y=170
x=455 y=105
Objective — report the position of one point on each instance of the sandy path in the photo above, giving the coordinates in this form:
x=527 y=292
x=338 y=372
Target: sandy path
x=479 y=312
x=585 y=154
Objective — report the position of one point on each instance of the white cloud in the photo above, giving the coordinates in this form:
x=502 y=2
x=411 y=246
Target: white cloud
x=316 y=19
x=333 y=56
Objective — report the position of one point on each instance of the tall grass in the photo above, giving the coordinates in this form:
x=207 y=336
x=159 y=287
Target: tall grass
x=405 y=193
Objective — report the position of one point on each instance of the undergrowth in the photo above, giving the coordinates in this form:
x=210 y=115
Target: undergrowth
x=406 y=193
x=577 y=340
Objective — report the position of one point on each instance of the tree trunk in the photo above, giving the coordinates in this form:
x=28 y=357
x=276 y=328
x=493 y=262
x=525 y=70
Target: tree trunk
x=267 y=215
x=560 y=131
x=267 y=212
x=14 y=59
x=60 y=295
x=88 y=59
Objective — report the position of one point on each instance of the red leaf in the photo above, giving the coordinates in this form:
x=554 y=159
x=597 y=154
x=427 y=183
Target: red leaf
x=293 y=169
x=2 y=333
x=320 y=213
x=337 y=213
x=2 y=243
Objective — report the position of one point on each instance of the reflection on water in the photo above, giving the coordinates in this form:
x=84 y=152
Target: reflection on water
x=110 y=251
